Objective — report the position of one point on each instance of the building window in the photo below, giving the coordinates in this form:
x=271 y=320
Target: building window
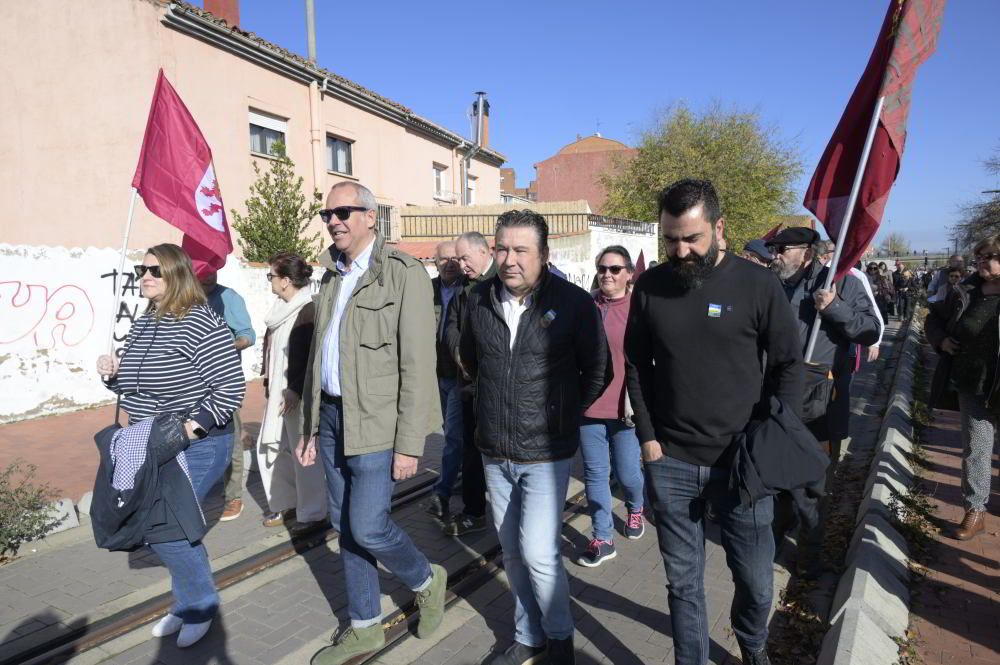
x=338 y=155
x=471 y=198
x=384 y=215
x=265 y=131
x=440 y=181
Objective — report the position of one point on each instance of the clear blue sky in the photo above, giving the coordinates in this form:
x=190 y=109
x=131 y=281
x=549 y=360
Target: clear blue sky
x=556 y=68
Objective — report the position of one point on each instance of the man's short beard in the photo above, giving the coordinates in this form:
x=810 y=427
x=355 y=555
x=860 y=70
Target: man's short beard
x=785 y=272
x=692 y=270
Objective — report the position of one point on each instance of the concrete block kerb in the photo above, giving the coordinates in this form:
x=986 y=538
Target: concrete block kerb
x=871 y=603
x=854 y=639
x=878 y=586
x=83 y=505
x=876 y=529
x=63 y=511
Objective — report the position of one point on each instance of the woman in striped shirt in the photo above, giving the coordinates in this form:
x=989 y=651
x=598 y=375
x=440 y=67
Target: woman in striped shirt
x=179 y=358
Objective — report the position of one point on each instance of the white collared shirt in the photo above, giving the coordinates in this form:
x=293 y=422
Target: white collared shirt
x=512 y=311
x=349 y=277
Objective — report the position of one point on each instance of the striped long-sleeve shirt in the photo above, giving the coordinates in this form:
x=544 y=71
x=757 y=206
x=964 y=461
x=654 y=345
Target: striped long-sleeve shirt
x=181 y=366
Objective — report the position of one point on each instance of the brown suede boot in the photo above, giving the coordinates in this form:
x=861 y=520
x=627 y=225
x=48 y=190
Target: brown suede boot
x=973 y=524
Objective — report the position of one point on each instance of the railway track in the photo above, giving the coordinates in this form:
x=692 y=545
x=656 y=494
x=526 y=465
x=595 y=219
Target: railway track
x=89 y=635
x=401 y=624
x=398 y=625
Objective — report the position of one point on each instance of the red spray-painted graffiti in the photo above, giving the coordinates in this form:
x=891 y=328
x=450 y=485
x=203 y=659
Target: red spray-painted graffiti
x=65 y=316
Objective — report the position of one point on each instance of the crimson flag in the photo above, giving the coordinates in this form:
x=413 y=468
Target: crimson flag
x=640 y=266
x=176 y=179
x=907 y=38
x=773 y=232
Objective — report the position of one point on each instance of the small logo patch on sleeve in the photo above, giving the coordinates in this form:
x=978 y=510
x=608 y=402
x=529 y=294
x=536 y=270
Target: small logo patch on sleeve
x=714 y=311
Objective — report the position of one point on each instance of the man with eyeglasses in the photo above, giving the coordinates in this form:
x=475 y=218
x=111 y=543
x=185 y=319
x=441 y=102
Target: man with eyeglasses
x=939 y=288
x=476 y=263
x=369 y=402
x=846 y=317
x=756 y=251
x=447 y=285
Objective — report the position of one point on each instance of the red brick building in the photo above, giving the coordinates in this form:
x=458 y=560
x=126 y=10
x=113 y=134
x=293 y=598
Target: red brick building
x=508 y=185
x=574 y=173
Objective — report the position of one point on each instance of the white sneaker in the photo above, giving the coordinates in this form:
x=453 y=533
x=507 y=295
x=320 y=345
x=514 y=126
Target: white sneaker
x=192 y=632
x=168 y=625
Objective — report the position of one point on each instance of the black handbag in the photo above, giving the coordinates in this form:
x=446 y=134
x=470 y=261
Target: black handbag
x=168 y=439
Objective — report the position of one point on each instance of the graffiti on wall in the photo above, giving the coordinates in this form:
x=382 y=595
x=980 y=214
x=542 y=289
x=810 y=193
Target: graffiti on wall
x=128 y=305
x=61 y=316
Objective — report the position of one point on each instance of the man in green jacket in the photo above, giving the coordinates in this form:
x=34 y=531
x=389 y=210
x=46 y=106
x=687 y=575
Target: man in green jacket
x=370 y=400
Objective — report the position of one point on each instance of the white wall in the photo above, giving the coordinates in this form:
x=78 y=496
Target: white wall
x=56 y=314
x=56 y=311
x=574 y=255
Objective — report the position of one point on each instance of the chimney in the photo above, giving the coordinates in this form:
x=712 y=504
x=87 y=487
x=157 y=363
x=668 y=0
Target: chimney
x=227 y=10
x=481 y=116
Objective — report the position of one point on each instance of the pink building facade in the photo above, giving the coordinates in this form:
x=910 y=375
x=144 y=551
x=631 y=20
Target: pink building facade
x=78 y=79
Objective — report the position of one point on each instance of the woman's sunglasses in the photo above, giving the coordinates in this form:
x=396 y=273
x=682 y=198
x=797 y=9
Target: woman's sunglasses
x=140 y=271
x=614 y=270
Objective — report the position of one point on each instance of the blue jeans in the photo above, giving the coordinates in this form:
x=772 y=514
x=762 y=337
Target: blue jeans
x=451 y=457
x=360 y=499
x=679 y=492
x=605 y=442
x=527 y=502
x=195 y=597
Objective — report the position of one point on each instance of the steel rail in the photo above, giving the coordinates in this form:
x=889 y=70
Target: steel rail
x=89 y=635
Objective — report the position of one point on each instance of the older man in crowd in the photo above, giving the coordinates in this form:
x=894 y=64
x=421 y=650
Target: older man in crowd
x=476 y=262
x=369 y=402
x=447 y=285
x=845 y=316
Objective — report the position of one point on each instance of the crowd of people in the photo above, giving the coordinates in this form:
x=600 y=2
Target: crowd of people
x=655 y=379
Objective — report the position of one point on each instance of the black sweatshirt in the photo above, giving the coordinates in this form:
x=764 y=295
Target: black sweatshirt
x=693 y=357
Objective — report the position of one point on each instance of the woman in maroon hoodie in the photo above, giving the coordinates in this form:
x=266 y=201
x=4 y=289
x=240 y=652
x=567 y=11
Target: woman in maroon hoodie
x=607 y=435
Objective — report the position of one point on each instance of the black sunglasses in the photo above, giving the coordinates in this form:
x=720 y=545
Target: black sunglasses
x=614 y=270
x=155 y=271
x=781 y=249
x=341 y=212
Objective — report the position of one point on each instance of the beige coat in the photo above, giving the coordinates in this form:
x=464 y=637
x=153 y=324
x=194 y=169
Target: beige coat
x=387 y=355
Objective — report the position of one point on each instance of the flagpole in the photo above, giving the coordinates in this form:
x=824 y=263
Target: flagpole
x=121 y=272
x=848 y=214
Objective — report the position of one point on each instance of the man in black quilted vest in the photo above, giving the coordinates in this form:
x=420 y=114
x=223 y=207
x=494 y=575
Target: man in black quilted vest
x=534 y=345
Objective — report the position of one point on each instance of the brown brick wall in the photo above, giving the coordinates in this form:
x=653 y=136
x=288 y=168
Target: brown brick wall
x=570 y=177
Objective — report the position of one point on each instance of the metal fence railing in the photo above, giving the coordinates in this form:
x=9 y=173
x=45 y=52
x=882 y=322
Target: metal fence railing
x=446 y=225
x=388 y=221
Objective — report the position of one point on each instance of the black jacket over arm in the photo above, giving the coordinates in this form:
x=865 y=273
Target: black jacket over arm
x=530 y=400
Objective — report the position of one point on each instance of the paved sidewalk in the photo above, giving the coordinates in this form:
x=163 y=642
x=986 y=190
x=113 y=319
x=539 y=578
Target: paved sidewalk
x=956 y=613
x=63 y=449
x=620 y=608
x=65 y=581
x=286 y=613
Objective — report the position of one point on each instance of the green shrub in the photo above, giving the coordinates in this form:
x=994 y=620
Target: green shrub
x=24 y=508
